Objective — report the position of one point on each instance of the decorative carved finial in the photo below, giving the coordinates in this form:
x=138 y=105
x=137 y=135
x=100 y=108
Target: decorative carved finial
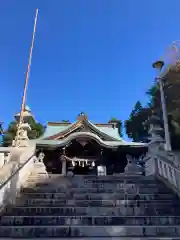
x=27 y=109
x=82 y=116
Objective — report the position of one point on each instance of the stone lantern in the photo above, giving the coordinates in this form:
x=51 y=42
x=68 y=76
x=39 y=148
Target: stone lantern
x=156 y=132
x=27 y=115
x=22 y=138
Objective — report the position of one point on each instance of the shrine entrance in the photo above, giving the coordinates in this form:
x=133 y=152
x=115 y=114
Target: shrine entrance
x=52 y=161
x=81 y=170
x=82 y=156
x=86 y=170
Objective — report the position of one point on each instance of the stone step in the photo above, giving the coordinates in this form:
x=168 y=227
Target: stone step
x=97 y=182
x=82 y=183
x=94 y=187
x=35 y=179
x=109 y=185
x=96 y=190
x=97 y=196
x=72 y=202
x=84 y=220
x=102 y=238
x=90 y=231
x=91 y=211
x=109 y=177
x=94 y=183
x=112 y=179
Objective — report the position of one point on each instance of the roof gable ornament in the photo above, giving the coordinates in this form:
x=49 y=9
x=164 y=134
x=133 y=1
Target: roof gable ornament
x=82 y=116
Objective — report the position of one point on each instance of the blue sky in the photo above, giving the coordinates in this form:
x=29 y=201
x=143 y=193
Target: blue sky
x=89 y=55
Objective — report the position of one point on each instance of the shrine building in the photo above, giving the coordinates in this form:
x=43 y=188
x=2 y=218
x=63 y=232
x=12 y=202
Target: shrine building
x=81 y=146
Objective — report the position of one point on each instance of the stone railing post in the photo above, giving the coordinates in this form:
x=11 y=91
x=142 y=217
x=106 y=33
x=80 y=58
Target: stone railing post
x=2 y=159
x=156 y=143
x=15 y=172
x=159 y=162
x=168 y=169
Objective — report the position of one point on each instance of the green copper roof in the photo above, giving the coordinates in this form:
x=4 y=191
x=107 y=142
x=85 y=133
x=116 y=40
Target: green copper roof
x=112 y=132
x=110 y=144
x=53 y=130
x=113 y=138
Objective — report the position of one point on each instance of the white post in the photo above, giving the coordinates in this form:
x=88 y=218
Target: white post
x=158 y=65
x=165 y=118
x=2 y=159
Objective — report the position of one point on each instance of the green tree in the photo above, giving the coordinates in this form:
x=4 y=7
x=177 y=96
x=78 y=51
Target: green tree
x=136 y=126
x=1 y=133
x=1 y=128
x=137 y=108
x=113 y=119
x=37 y=129
x=172 y=97
x=118 y=124
x=10 y=133
x=154 y=97
x=65 y=121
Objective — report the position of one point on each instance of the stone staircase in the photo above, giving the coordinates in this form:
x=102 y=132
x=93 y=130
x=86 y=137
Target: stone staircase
x=81 y=207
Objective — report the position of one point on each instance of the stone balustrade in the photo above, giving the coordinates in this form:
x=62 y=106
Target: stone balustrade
x=168 y=171
x=4 y=155
x=165 y=166
x=2 y=159
x=14 y=173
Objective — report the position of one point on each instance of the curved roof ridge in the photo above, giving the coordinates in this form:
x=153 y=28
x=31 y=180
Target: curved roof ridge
x=113 y=132
x=53 y=130
x=109 y=132
x=110 y=144
x=99 y=130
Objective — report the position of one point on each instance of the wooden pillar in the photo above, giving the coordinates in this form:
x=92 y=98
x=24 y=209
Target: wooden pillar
x=101 y=168
x=63 y=160
x=64 y=171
